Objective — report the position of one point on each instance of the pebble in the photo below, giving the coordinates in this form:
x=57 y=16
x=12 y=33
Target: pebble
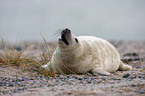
x=126 y=75
x=86 y=77
x=80 y=78
x=32 y=78
x=142 y=77
x=11 y=84
x=19 y=79
x=134 y=85
x=26 y=79
x=111 y=82
x=89 y=81
x=35 y=82
x=142 y=92
x=132 y=77
x=104 y=78
x=119 y=78
x=37 y=77
x=2 y=83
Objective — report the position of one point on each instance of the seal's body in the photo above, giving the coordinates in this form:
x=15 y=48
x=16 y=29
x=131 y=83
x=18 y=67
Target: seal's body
x=84 y=54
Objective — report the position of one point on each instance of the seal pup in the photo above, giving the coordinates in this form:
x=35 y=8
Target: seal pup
x=82 y=54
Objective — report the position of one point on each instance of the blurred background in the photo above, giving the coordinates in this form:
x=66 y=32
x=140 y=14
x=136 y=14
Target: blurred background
x=108 y=19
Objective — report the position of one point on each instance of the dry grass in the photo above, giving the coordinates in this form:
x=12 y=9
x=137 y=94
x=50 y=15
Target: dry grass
x=12 y=57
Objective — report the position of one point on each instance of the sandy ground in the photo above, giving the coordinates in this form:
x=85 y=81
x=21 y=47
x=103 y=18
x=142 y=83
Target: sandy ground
x=126 y=83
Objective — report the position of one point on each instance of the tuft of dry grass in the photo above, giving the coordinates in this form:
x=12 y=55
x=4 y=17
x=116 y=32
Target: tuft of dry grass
x=12 y=57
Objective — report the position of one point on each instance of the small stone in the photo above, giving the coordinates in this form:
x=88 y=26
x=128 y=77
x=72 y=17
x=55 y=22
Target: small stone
x=84 y=82
x=50 y=84
x=36 y=82
x=132 y=77
x=32 y=78
x=2 y=84
x=80 y=78
x=71 y=79
x=111 y=81
x=63 y=83
x=119 y=78
x=26 y=79
x=104 y=78
x=86 y=77
x=52 y=77
x=16 y=90
x=89 y=81
x=43 y=78
x=1 y=78
x=19 y=83
x=134 y=85
x=37 y=77
x=7 y=78
x=68 y=76
x=19 y=79
x=94 y=74
x=142 y=92
x=126 y=75
x=57 y=81
x=141 y=77
x=11 y=84
x=98 y=81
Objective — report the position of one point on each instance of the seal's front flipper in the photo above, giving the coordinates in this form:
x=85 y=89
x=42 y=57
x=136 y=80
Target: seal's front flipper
x=100 y=71
x=46 y=66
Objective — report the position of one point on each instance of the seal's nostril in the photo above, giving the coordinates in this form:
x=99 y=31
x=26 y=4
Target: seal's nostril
x=65 y=31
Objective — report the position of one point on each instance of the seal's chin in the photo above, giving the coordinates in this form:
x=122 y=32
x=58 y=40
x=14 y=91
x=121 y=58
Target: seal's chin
x=63 y=38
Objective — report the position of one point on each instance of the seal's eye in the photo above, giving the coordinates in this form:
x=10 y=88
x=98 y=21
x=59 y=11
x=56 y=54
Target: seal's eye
x=76 y=40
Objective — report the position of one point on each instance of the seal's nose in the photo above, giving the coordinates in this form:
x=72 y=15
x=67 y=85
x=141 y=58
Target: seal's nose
x=65 y=31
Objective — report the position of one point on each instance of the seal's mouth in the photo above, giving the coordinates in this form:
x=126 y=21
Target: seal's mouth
x=63 y=37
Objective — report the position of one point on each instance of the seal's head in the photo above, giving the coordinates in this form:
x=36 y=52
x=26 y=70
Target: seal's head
x=67 y=38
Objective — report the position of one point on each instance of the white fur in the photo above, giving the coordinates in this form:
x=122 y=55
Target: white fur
x=90 y=54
